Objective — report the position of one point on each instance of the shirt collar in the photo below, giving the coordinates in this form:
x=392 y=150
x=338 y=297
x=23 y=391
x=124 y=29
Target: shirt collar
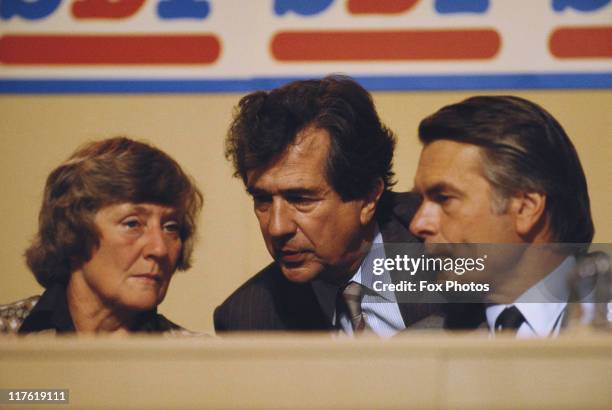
x=542 y=318
x=365 y=276
x=542 y=304
x=553 y=287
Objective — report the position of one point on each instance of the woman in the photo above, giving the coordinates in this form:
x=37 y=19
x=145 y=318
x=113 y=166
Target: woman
x=117 y=219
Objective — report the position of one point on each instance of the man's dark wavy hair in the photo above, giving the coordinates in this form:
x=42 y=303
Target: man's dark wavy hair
x=361 y=147
x=99 y=174
x=524 y=149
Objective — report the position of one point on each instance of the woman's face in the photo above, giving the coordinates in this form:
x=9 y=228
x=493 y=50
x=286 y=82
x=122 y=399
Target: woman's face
x=139 y=248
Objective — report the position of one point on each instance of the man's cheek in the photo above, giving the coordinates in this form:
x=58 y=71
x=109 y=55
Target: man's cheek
x=270 y=247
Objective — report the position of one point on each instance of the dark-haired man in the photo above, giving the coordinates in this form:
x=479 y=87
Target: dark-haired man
x=317 y=160
x=501 y=170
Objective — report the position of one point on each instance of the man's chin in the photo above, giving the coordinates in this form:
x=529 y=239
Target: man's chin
x=299 y=274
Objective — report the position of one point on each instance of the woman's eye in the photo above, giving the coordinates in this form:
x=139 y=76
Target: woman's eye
x=131 y=223
x=172 y=227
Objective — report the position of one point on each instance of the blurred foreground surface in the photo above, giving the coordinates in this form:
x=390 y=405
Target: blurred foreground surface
x=418 y=370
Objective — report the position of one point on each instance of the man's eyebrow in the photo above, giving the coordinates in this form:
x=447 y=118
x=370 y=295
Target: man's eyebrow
x=299 y=191
x=442 y=187
x=253 y=191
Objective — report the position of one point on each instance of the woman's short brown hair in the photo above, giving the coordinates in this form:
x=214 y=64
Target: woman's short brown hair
x=99 y=174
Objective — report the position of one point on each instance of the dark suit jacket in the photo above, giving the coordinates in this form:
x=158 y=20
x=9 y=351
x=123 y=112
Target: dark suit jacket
x=268 y=301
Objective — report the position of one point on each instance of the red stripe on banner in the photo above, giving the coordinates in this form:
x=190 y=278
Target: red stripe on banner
x=108 y=49
x=581 y=42
x=105 y=9
x=385 y=45
x=379 y=7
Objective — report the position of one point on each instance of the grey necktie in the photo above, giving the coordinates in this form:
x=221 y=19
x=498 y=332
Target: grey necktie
x=352 y=294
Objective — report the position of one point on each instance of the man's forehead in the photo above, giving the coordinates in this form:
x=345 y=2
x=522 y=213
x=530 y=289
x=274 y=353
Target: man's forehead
x=286 y=181
x=302 y=165
x=448 y=162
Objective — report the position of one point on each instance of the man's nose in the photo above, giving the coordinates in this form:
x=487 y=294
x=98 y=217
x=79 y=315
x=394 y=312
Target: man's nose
x=425 y=222
x=281 y=222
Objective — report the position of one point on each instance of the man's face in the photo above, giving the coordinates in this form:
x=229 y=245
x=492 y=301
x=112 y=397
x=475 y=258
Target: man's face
x=308 y=229
x=457 y=202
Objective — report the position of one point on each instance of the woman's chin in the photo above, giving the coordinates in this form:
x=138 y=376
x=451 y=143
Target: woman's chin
x=140 y=303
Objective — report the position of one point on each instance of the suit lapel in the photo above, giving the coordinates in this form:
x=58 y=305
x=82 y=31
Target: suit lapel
x=297 y=306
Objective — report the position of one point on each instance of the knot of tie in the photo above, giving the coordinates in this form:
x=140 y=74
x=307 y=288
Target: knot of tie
x=352 y=294
x=510 y=319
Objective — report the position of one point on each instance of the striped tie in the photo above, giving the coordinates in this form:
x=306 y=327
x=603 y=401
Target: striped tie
x=352 y=294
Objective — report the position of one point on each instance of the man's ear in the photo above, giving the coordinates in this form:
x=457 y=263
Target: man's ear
x=528 y=208
x=370 y=201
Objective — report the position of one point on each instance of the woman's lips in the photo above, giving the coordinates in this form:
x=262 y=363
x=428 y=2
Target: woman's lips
x=148 y=277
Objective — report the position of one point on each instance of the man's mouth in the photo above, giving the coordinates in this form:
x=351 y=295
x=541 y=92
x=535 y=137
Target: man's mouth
x=291 y=257
x=439 y=250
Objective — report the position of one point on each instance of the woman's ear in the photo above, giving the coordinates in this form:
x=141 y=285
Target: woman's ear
x=370 y=201
x=528 y=209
